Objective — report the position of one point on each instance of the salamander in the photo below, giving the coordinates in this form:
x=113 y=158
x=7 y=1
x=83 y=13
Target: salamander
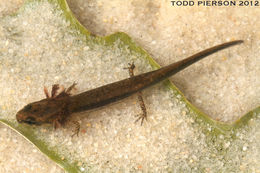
x=56 y=108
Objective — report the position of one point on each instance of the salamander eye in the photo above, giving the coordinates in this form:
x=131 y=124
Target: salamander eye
x=28 y=107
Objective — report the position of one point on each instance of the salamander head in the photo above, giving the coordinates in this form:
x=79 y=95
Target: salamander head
x=43 y=111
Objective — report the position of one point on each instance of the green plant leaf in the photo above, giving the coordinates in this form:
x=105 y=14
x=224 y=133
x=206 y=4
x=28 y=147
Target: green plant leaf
x=211 y=128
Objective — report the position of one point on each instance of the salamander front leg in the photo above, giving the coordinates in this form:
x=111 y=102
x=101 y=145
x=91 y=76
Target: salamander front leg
x=56 y=124
x=142 y=116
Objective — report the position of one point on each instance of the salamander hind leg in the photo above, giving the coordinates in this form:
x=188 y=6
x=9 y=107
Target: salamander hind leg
x=130 y=68
x=143 y=115
x=76 y=128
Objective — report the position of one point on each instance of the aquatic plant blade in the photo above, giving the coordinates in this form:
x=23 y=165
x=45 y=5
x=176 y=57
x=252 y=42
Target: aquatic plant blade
x=28 y=134
x=217 y=128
